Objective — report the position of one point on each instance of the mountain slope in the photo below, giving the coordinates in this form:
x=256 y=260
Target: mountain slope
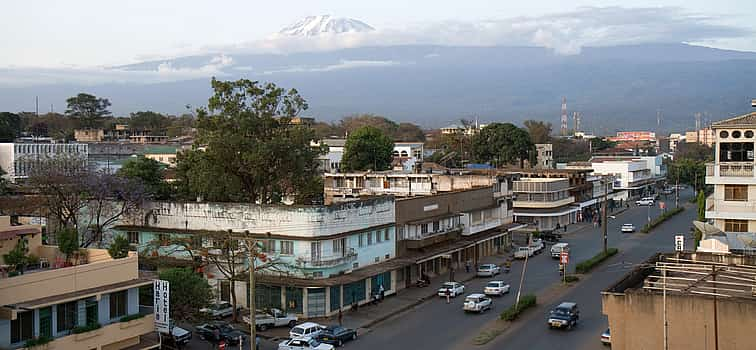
x=318 y=25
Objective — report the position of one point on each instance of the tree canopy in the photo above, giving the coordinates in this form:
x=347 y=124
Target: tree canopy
x=367 y=148
x=501 y=144
x=404 y=131
x=190 y=292
x=89 y=109
x=149 y=120
x=10 y=126
x=253 y=153
x=540 y=132
x=150 y=173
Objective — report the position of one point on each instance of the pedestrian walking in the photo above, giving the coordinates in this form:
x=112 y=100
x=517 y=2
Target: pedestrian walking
x=448 y=296
x=381 y=292
x=340 y=316
x=467 y=266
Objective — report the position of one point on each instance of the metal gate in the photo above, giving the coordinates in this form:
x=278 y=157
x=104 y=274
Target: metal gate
x=316 y=302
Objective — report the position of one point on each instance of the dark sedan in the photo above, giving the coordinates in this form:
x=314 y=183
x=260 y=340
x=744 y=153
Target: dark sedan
x=337 y=335
x=214 y=332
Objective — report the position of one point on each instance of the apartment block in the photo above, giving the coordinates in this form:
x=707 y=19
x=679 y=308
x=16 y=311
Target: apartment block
x=326 y=257
x=17 y=159
x=732 y=206
x=86 y=301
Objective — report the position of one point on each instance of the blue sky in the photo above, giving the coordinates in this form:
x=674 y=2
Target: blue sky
x=86 y=33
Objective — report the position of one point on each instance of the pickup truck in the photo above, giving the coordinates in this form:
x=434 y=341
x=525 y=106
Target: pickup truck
x=523 y=252
x=274 y=318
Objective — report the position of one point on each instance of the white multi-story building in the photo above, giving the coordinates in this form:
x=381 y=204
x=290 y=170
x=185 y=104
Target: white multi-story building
x=732 y=206
x=634 y=175
x=544 y=202
x=545 y=156
x=17 y=159
x=406 y=153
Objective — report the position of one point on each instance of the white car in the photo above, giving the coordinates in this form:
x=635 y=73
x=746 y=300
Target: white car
x=303 y=343
x=557 y=249
x=523 y=252
x=219 y=309
x=645 y=201
x=488 y=270
x=627 y=228
x=452 y=288
x=306 y=330
x=496 y=288
x=477 y=303
x=537 y=245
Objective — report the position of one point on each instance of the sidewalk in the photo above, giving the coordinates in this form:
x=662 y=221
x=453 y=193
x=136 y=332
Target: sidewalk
x=368 y=315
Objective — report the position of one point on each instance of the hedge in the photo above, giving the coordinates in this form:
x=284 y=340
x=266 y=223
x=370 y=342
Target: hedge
x=571 y=278
x=527 y=301
x=663 y=217
x=87 y=328
x=41 y=340
x=587 y=265
x=131 y=317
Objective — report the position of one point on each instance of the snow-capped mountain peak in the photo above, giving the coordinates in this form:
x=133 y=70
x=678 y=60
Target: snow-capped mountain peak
x=317 y=25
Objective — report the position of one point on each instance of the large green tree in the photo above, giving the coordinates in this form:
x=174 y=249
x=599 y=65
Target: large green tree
x=687 y=171
x=10 y=126
x=250 y=145
x=502 y=144
x=190 y=292
x=149 y=120
x=540 y=132
x=88 y=109
x=367 y=148
x=150 y=173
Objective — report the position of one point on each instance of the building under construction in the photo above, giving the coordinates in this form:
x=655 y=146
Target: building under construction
x=706 y=301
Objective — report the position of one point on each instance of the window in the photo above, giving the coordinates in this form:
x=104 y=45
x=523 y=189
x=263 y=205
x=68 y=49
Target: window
x=736 y=225
x=22 y=327
x=424 y=228
x=736 y=192
x=723 y=134
x=67 y=315
x=268 y=245
x=386 y=235
x=118 y=302
x=749 y=134
x=287 y=247
x=378 y=236
x=133 y=237
x=315 y=251
x=370 y=238
x=163 y=239
x=45 y=322
x=91 y=311
x=436 y=226
x=361 y=242
x=736 y=151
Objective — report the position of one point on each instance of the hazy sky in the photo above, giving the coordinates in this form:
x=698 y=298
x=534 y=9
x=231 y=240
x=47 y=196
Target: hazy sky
x=96 y=33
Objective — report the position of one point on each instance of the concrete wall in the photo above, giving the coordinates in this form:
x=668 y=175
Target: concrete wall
x=636 y=322
x=420 y=208
x=298 y=221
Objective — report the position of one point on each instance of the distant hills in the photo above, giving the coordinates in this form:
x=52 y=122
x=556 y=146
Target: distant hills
x=621 y=87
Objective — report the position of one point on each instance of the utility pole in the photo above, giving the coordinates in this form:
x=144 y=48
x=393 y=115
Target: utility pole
x=252 y=307
x=522 y=275
x=664 y=302
x=603 y=214
x=677 y=190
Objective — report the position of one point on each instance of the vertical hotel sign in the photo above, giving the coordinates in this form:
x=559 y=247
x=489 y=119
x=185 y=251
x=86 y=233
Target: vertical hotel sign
x=162 y=305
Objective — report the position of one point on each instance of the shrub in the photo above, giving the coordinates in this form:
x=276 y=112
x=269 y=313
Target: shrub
x=587 y=265
x=41 y=340
x=571 y=278
x=656 y=222
x=83 y=329
x=119 y=248
x=527 y=301
x=131 y=317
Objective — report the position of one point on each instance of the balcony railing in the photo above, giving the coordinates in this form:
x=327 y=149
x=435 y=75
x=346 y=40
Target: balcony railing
x=427 y=239
x=730 y=169
x=307 y=260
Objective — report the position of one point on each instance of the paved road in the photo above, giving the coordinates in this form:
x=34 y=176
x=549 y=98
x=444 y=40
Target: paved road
x=436 y=325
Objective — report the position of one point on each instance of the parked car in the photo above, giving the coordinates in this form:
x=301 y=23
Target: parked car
x=180 y=335
x=305 y=343
x=606 y=337
x=217 y=331
x=488 y=270
x=219 y=309
x=627 y=228
x=307 y=329
x=273 y=318
x=645 y=201
x=523 y=252
x=496 y=288
x=551 y=236
x=452 y=288
x=557 y=249
x=668 y=191
x=337 y=335
x=477 y=303
x=565 y=315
